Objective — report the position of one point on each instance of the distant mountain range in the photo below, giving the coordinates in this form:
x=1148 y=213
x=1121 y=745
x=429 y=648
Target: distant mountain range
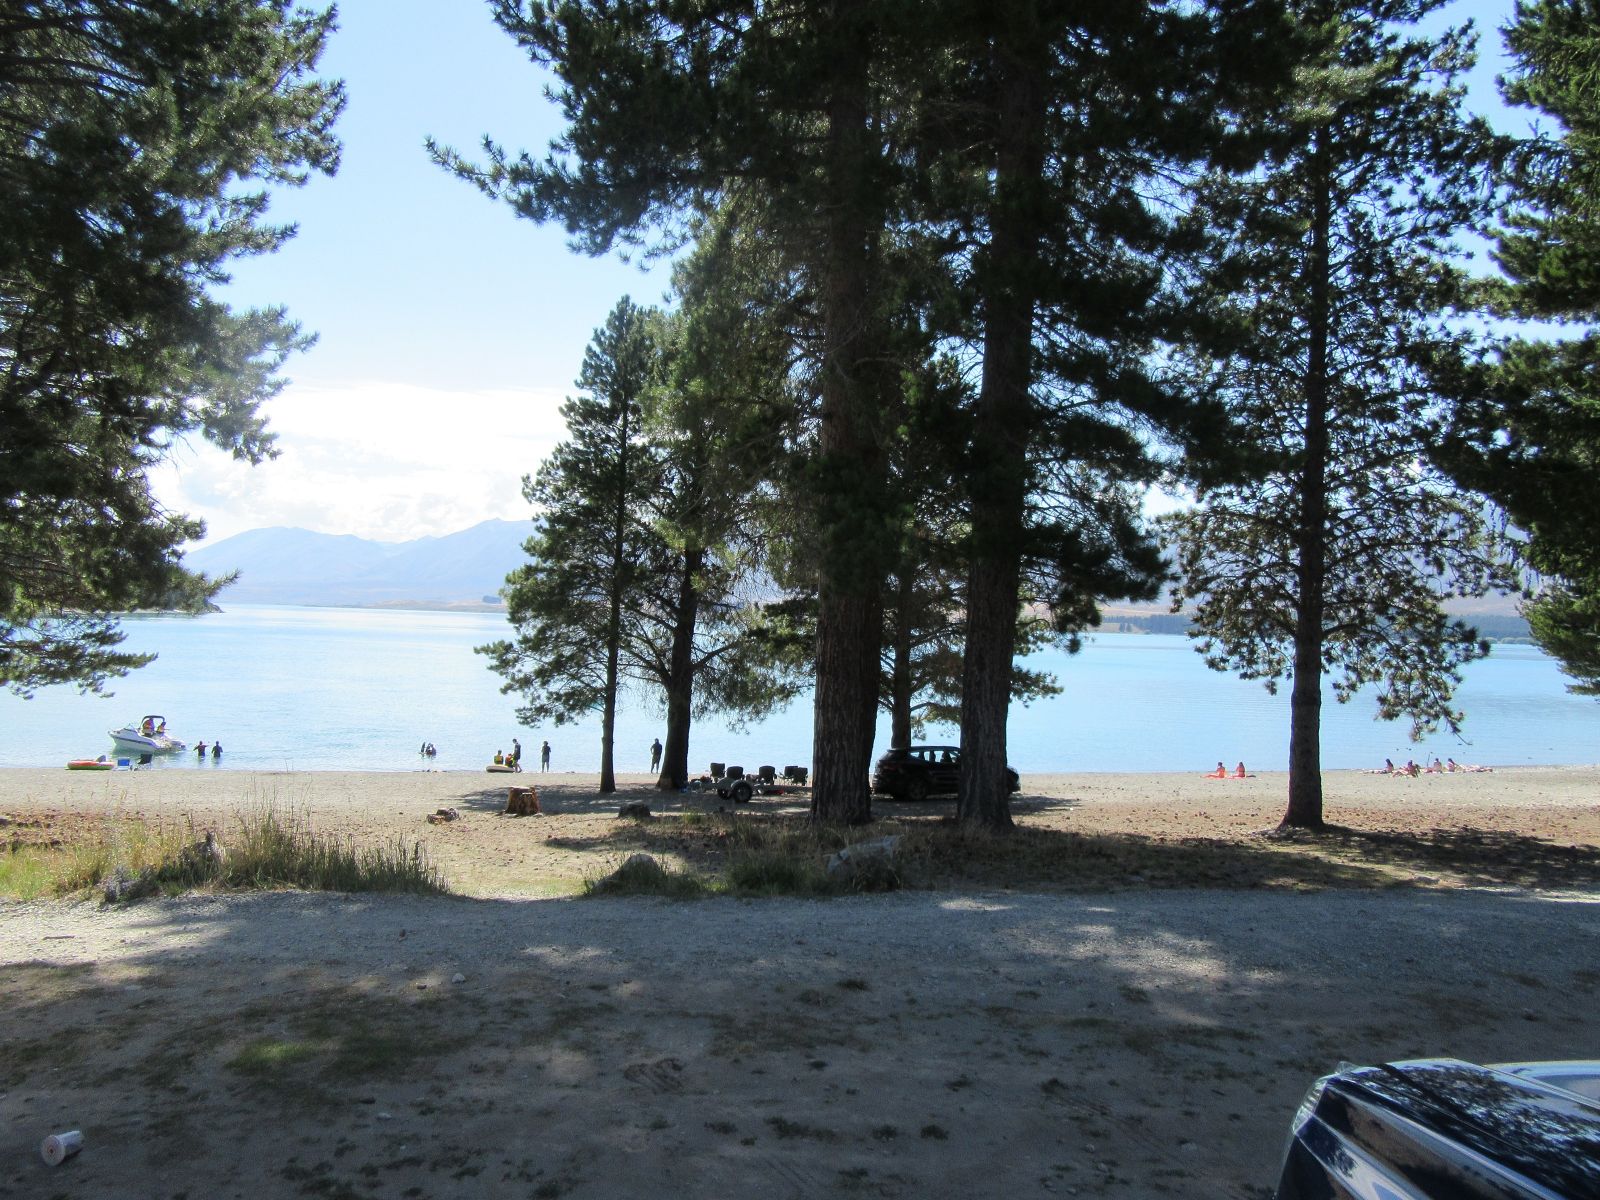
x=295 y=566
x=466 y=571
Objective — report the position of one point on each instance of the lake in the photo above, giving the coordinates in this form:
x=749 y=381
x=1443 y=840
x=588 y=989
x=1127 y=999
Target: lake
x=360 y=689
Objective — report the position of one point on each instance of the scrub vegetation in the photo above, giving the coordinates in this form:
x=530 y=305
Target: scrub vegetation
x=784 y=856
x=264 y=848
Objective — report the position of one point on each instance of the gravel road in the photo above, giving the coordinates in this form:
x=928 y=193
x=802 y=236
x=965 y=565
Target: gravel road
x=1130 y=1044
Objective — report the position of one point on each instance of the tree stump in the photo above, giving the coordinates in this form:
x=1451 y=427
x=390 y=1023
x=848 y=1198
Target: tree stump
x=522 y=801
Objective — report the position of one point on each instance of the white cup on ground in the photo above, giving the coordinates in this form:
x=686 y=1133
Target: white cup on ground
x=59 y=1147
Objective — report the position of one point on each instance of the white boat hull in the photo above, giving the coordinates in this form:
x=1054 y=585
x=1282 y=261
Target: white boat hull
x=135 y=742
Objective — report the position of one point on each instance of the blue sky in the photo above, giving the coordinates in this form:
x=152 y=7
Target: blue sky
x=450 y=330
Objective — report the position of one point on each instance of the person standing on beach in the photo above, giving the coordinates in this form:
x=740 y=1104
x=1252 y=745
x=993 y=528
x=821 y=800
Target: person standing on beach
x=544 y=757
x=655 y=755
x=516 y=751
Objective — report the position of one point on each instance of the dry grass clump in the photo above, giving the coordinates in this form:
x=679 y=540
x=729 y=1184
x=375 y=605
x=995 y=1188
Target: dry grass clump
x=265 y=847
x=781 y=857
x=716 y=854
x=720 y=854
x=272 y=850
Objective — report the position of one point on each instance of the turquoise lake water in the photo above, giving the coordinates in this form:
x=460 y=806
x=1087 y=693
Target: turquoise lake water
x=320 y=688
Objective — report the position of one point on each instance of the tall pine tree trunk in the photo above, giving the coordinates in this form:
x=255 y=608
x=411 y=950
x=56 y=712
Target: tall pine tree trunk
x=619 y=565
x=850 y=468
x=1002 y=421
x=608 y=724
x=680 y=675
x=1305 y=699
x=900 y=668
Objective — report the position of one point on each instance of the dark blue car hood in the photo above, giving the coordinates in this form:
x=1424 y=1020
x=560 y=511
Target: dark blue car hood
x=1548 y=1135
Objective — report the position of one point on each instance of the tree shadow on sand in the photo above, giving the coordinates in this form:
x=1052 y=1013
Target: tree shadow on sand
x=936 y=853
x=1467 y=857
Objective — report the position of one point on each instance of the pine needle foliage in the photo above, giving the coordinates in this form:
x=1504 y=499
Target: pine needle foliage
x=135 y=136
x=1333 y=563
x=1529 y=431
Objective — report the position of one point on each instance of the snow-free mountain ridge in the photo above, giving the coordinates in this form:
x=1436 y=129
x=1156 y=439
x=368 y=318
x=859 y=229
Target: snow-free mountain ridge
x=468 y=569
x=297 y=566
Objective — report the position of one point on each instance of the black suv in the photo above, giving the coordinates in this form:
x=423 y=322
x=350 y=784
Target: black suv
x=1441 y=1129
x=917 y=772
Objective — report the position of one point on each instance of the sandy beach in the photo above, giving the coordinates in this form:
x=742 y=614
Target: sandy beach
x=490 y=856
x=513 y=1041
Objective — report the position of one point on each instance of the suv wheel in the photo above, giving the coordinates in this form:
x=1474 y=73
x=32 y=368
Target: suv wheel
x=916 y=791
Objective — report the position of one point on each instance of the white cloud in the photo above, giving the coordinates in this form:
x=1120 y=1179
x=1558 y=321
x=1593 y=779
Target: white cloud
x=380 y=460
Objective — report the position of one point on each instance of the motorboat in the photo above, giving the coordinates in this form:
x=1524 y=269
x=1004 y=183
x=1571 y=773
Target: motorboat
x=148 y=735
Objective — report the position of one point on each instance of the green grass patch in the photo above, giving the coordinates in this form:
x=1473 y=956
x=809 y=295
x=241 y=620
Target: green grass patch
x=340 y=1038
x=777 y=873
x=644 y=876
x=367 y=1051
x=270 y=1056
x=28 y=873
x=74 y=855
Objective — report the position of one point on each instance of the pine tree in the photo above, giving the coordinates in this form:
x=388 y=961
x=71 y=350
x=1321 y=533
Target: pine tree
x=592 y=543
x=1530 y=434
x=720 y=424
x=924 y=645
x=1026 y=142
x=1336 y=559
x=670 y=108
x=639 y=557
x=1070 y=119
x=131 y=137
